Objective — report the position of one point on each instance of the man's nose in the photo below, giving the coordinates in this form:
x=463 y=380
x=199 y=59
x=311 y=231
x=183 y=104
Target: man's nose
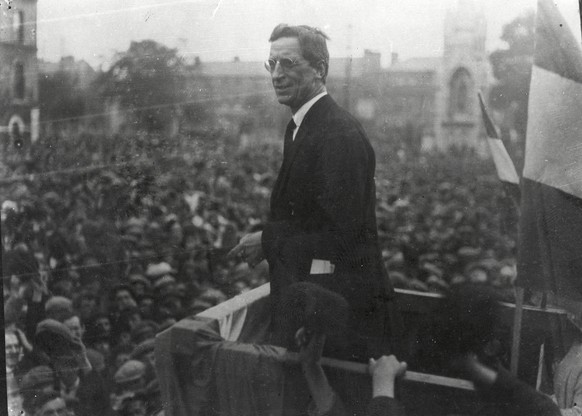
x=277 y=71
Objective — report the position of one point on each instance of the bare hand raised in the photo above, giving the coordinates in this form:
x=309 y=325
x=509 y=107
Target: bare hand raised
x=249 y=249
x=384 y=372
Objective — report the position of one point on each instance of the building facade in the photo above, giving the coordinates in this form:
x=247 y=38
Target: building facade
x=430 y=101
x=19 y=114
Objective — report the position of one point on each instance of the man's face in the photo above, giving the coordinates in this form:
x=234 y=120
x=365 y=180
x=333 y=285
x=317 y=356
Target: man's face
x=146 y=306
x=121 y=359
x=55 y=407
x=74 y=324
x=67 y=368
x=12 y=349
x=103 y=347
x=124 y=300
x=104 y=325
x=151 y=357
x=87 y=307
x=297 y=85
x=134 y=320
x=136 y=408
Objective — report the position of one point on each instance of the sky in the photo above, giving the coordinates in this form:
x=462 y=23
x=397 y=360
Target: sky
x=219 y=30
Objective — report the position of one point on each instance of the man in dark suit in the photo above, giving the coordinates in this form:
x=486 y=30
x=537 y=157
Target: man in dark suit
x=322 y=225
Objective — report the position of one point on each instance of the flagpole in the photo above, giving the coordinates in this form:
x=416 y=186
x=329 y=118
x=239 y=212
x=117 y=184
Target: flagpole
x=516 y=336
x=509 y=178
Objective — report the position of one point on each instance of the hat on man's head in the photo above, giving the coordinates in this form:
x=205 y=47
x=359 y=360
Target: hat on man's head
x=199 y=305
x=139 y=278
x=144 y=330
x=56 y=339
x=317 y=309
x=59 y=308
x=146 y=346
x=468 y=253
x=164 y=281
x=37 y=378
x=158 y=270
x=130 y=371
x=19 y=262
x=42 y=398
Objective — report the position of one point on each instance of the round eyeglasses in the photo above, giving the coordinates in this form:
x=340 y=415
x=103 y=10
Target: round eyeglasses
x=286 y=64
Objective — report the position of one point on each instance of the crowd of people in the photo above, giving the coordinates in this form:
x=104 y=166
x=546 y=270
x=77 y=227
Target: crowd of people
x=107 y=241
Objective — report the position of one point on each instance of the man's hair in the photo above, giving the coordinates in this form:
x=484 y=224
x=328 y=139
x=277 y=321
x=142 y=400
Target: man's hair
x=313 y=307
x=465 y=322
x=40 y=399
x=120 y=288
x=21 y=263
x=312 y=42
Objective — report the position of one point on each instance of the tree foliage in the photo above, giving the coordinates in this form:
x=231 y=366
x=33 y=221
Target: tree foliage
x=61 y=98
x=147 y=82
x=512 y=70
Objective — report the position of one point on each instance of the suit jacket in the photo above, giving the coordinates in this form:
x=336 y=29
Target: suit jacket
x=323 y=207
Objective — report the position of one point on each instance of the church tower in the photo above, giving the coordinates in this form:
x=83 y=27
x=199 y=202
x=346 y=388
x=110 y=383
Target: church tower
x=19 y=112
x=465 y=71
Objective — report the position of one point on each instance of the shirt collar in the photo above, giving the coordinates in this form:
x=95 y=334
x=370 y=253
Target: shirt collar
x=300 y=114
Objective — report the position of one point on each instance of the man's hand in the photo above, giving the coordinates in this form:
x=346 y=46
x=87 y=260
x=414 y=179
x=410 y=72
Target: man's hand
x=249 y=249
x=310 y=347
x=471 y=368
x=310 y=350
x=384 y=372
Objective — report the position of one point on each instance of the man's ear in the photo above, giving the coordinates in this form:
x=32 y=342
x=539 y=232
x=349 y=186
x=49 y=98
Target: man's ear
x=321 y=69
x=301 y=337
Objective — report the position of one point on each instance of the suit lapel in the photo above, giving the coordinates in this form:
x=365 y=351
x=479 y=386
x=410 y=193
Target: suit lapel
x=308 y=126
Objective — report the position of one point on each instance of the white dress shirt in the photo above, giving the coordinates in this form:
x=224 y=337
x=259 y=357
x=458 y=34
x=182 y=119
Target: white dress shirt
x=300 y=114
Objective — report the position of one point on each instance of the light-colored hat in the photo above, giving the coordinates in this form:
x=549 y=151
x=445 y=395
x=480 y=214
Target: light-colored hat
x=157 y=270
x=130 y=370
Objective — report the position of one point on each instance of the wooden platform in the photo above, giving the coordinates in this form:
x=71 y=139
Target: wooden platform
x=244 y=319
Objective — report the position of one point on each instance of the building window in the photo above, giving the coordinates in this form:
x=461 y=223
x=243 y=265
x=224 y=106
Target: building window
x=19 y=80
x=16 y=130
x=460 y=85
x=18 y=26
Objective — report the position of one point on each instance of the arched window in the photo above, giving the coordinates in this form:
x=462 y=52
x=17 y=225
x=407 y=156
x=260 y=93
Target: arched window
x=18 y=26
x=19 y=82
x=460 y=88
x=16 y=130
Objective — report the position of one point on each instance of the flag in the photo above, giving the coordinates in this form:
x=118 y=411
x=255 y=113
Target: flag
x=550 y=229
x=503 y=163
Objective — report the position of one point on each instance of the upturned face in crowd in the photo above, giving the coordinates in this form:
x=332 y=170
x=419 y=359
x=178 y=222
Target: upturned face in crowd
x=87 y=308
x=12 y=349
x=104 y=326
x=295 y=85
x=136 y=408
x=74 y=324
x=124 y=300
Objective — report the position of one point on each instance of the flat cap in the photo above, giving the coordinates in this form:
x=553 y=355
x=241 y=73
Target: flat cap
x=37 y=377
x=159 y=269
x=130 y=370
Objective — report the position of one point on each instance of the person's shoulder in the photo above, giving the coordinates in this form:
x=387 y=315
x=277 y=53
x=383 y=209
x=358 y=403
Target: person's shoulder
x=341 y=125
x=336 y=112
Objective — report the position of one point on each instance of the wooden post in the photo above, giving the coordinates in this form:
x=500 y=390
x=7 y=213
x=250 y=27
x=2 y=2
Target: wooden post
x=541 y=362
x=516 y=333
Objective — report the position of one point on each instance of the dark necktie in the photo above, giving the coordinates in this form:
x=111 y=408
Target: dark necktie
x=288 y=137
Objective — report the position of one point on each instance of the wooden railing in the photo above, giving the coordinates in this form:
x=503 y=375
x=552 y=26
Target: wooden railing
x=242 y=318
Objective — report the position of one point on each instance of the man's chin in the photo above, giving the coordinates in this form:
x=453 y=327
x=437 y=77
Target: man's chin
x=283 y=99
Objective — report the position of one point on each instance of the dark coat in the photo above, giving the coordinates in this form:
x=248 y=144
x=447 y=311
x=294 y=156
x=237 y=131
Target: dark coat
x=323 y=207
x=92 y=396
